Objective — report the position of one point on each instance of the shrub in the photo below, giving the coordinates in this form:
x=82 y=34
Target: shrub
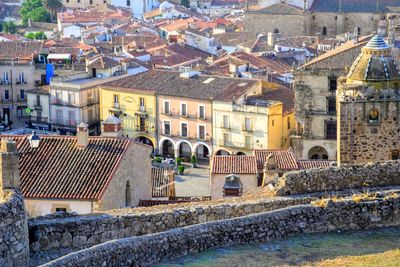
x=158 y=159
x=181 y=168
x=194 y=159
x=178 y=161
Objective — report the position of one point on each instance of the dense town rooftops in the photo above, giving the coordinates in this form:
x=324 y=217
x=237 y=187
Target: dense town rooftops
x=102 y=62
x=356 y=6
x=177 y=84
x=19 y=50
x=233 y=165
x=58 y=168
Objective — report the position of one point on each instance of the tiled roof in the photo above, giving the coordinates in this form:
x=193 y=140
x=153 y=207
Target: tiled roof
x=59 y=169
x=96 y=14
x=18 y=49
x=311 y=164
x=282 y=94
x=197 y=87
x=354 y=6
x=234 y=165
x=187 y=51
x=282 y=8
x=284 y=158
x=163 y=182
x=340 y=57
x=102 y=62
x=177 y=25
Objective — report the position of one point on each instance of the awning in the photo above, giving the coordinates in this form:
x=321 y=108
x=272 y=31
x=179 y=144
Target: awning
x=59 y=56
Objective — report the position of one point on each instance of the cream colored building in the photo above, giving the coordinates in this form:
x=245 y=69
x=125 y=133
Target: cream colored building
x=39 y=106
x=84 y=3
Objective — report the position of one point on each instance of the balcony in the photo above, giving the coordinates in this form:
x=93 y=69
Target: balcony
x=36 y=119
x=20 y=82
x=5 y=82
x=224 y=126
x=37 y=106
x=70 y=123
x=142 y=129
x=226 y=143
x=247 y=129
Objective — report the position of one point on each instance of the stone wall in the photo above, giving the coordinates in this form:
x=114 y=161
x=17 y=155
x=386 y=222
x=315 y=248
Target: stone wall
x=56 y=233
x=339 y=178
x=145 y=250
x=14 y=243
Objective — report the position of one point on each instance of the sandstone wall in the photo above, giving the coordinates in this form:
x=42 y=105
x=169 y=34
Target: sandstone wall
x=14 y=243
x=339 y=178
x=145 y=250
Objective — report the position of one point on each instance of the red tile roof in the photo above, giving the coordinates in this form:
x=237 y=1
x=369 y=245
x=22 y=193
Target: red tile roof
x=284 y=158
x=234 y=165
x=311 y=164
x=59 y=169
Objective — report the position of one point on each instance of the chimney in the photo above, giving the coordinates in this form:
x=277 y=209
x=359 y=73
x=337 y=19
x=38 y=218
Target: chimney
x=82 y=135
x=270 y=170
x=111 y=127
x=270 y=39
x=9 y=165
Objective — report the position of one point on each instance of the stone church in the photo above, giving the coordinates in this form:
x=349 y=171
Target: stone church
x=368 y=103
x=319 y=17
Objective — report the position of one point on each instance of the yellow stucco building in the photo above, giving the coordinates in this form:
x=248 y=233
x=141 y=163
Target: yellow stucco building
x=135 y=108
x=258 y=122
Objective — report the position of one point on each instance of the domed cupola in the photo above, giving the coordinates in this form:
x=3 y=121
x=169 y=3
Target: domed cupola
x=375 y=66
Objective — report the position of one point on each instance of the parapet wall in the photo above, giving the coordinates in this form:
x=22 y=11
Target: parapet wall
x=14 y=243
x=77 y=232
x=339 y=178
x=149 y=249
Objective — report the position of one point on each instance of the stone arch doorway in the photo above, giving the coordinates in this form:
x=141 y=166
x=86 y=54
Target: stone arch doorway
x=144 y=140
x=167 y=148
x=202 y=153
x=222 y=152
x=318 y=152
x=240 y=153
x=324 y=31
x=185 y=150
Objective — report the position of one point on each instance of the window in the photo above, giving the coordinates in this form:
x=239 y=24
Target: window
x=71 y=98
x=38 y=100
x=276 y=31
x=184 y=129
x=128 y=3
x=166 y=107
x=58 y=96
x=6 y=94
x=225 y=122
x=201 y=132
x=91 y=2
x=332 y=83
x=183 y=109
x=90 y=116
x=116 y=98
x=226 y=139
x=202 y=112
x=374 y=116
x=288 y=123
x=273 y=123
x=21 y=77
x=22 y=94
x=331 y=102
x=78 y=1
x=5 y=78
x=324 y=31
x=71 y=118
x=330 y=129
x=167 y=127
x=247 y=124
x=67 y=1
x=142 y=104
x=248 y=141
x=232 y=186
x=59 y=116
x=61 y=209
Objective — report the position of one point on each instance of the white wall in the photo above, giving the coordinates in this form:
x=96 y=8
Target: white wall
x=72 y=31
x=139 y=7
x=38 y=207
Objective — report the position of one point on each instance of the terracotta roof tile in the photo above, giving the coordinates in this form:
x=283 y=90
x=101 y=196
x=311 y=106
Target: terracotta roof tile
x=284 y=158
x=18 y=49
x=310 y=164
x=234 y=165
x=59 y=169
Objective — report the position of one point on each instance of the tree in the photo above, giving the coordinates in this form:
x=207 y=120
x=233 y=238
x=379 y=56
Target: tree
x=30 y=35
x=10 y=27
x=53 y=6
x=40 y=36
x=34 y=10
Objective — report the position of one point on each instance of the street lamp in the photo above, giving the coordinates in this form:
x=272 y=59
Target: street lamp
x=34 y=140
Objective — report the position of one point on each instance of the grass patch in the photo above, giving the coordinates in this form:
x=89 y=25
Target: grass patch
x=388 y=258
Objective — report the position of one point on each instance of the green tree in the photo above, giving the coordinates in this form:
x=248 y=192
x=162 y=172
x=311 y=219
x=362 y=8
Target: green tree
x=34 y=10
x=40 y=36
x=30 y=35
x=53 y=6
x=10 y=27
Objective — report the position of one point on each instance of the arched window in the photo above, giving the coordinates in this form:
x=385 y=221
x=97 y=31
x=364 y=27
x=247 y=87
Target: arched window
x=128 y=193
x=324 y=31
x=359 y=30
x=374 y=116
x=276 y=31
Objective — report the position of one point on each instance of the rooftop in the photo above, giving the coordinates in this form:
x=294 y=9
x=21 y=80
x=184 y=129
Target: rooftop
x=59 y=169
x=233 y=165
